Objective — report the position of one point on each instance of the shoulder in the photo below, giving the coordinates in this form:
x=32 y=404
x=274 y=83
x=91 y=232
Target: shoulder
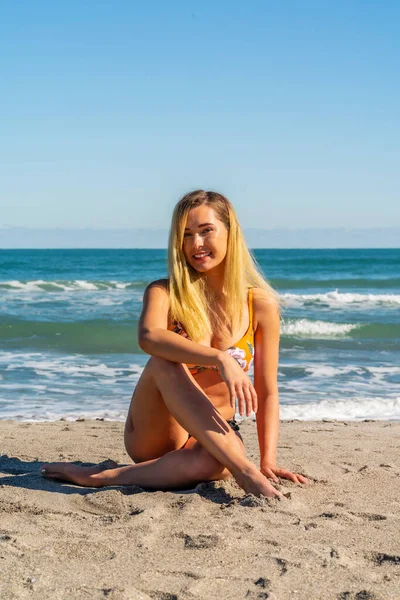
x=159 y=284
x=157 y=290
x=264 y=301
x=265 y=308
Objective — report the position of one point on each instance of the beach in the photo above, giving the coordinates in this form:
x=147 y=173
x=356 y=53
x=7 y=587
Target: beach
x=69 y=362
x=336 y=538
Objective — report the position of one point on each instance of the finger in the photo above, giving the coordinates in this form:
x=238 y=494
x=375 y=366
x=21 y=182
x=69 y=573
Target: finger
x=274 y=492
x=271 y=475
x=277 y=493
x=254 y=398
x=299 y=478
x=249 y=401
x=289 y=475
x=241 y=401
x=232 y=394
x=302 y=479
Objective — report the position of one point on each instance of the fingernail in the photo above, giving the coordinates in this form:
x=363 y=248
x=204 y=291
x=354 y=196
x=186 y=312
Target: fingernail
x=43 y=471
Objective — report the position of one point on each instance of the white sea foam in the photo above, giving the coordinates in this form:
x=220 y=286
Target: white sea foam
x=39 y=285
x=355 y=408
x=336 y=299
x=54 y=415
x=384 y=370
x=72 y=366
x=44 y=367
x=315 y=329
x=323 y=370
x=329 y=371
x=352 y=409
x=85 y=285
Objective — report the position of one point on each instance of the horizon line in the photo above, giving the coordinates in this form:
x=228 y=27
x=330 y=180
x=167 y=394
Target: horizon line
x=250 y=248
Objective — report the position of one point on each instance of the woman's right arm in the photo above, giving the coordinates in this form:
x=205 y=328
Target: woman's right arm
x=155 y=339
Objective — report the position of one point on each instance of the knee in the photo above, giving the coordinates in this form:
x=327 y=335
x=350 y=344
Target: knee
x=157 y=364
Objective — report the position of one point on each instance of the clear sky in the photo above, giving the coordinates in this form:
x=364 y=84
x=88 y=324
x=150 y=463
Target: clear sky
x=110 y=111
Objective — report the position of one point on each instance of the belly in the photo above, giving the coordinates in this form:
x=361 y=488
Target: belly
x=216 y=389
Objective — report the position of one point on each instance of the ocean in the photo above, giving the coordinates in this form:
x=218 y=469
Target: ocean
x=68 y=331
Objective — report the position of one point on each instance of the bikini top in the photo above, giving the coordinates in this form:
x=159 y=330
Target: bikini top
x=242 y=351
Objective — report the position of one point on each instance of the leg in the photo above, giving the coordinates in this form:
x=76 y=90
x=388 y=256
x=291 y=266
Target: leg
x=150 y=429
x=179 y=468
x=191 y=411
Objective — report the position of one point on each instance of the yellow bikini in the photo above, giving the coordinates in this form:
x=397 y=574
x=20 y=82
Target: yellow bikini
x=242 y=351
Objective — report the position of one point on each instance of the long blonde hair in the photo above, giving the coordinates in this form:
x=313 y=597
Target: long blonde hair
x=190 y=303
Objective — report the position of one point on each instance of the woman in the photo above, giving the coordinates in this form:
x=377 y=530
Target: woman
x=180 y=428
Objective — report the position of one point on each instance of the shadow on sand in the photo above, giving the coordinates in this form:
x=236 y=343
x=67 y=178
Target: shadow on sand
x=26 y=474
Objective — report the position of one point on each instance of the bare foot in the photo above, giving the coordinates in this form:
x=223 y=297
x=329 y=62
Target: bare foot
x=78 y=475
x=252 y=481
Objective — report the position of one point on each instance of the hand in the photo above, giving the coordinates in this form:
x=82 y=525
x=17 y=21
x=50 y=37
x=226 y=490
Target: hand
x=273 y=472
x=239 y=384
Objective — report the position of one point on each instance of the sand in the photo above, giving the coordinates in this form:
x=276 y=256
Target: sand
x=337 y=538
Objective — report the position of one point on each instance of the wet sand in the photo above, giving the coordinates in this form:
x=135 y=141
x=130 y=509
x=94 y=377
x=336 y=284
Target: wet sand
x=337 y=538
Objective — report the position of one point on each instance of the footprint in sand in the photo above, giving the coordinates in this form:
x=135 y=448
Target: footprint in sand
x=282 y=564
x=104 y=502
x=381 y=558
x=200 y=541
x=362 y=595
x=369 y=516
x=263 y=582
x=79 y=550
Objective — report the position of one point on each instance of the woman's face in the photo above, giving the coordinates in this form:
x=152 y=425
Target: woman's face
x=205 y=239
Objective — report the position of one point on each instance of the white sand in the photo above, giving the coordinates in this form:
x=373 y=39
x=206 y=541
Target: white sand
x=338 y=538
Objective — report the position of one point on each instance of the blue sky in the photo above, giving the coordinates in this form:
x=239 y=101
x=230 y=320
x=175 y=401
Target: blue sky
x=110 y=111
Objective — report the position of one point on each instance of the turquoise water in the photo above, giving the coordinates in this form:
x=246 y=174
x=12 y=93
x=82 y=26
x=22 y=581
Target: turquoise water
x=68 y=321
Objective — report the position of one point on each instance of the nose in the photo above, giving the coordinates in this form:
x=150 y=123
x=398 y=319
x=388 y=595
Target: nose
x=197 y=241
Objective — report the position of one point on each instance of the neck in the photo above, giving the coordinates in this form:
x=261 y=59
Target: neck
x=215 y=281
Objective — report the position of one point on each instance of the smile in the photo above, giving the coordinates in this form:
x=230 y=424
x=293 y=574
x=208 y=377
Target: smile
x=201 y=255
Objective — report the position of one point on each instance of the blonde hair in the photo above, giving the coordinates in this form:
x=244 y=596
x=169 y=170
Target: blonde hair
x=190 y=303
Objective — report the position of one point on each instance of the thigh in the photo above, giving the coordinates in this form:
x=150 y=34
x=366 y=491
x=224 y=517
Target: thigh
x=150 y=430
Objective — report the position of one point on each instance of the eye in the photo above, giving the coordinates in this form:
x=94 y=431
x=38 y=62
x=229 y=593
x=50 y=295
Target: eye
x=186 y=234
x=207 y=229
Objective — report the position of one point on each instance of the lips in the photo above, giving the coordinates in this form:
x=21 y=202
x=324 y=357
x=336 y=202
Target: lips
x=201 y=255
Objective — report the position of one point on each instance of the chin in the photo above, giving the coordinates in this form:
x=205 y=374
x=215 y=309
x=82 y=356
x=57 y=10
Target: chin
x=200 y=269
x=205 y=268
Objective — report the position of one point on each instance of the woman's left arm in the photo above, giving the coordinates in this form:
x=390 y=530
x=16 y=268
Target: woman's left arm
x=267 y=323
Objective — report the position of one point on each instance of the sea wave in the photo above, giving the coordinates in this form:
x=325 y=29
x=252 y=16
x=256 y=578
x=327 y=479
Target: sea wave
x=329 y=299
x=47 y=415
x=317 y=370
x=78 y=366
x=309 y=329
x=308 y=282
x=351 y=409
x=336 y=299
x=73 y=285
x=320 y=329
x=116 y=334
